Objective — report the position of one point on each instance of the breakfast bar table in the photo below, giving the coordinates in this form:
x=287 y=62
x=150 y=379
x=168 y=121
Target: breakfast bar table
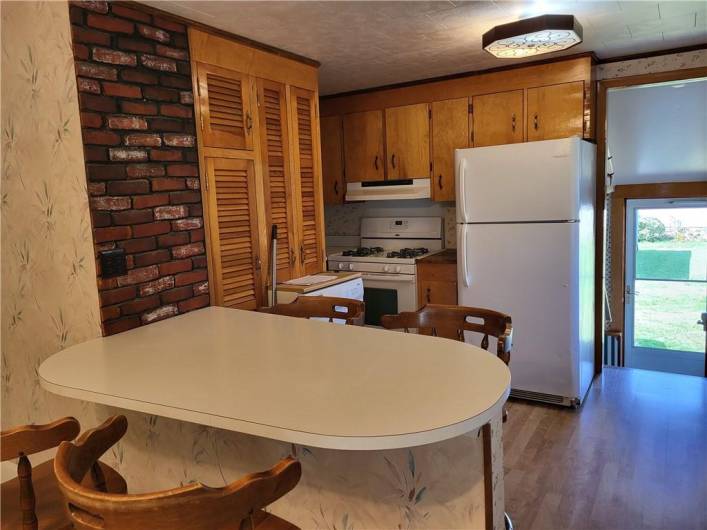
x=342 y=389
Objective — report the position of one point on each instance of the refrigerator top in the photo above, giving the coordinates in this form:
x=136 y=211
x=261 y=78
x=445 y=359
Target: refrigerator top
x=546 y=181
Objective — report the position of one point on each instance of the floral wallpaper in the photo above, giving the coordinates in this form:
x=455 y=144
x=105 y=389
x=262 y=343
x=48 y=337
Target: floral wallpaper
x=50 y=301
x=649 y=65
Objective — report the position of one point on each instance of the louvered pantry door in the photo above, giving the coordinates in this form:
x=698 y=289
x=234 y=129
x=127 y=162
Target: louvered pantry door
x=233 y=232
x=225 y=113
x=307 y=165
x=274 y=146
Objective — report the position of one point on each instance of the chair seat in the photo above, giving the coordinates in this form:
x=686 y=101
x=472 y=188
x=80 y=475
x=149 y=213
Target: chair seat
x=49 y=502
x=267 y=521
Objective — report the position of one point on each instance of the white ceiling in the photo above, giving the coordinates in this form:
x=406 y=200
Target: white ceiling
x=367 y=44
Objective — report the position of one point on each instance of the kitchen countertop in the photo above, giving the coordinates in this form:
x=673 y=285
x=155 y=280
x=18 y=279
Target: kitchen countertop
x=290 y=379
x=304 y=289
x=448 y=256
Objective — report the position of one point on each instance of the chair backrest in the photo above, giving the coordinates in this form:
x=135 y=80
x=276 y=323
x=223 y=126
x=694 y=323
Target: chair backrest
x=452 y=321
x=191 y=507
x=329 y=307
x=24 y=440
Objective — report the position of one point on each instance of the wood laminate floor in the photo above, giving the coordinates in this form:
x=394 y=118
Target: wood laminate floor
x=633 y=457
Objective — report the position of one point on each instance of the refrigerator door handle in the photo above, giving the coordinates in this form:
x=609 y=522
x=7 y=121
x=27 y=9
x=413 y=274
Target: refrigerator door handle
x=465 y=270
x=462 y=195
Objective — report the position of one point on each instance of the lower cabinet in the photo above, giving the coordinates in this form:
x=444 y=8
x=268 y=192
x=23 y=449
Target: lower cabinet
x=437 y=280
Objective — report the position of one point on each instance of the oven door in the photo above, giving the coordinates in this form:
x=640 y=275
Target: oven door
x=388 y=294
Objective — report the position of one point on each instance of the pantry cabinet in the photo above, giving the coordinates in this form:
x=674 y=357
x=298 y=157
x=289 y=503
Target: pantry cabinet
x=260 y=159
x=555 y=111
x=450 y=131
x=407 y=141
x=498 y=118
x=363 y=146
x=332 y=139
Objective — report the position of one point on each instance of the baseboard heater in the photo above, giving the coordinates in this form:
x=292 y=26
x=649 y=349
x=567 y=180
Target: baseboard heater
x=544 y=398
x=388 y=190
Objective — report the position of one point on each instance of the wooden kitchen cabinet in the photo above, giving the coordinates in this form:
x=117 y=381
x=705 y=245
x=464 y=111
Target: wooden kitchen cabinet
x=226 y=118
x=332 y=160
x=235 y=243
x=437 y=279
x=363 y=146
x=277 y=174
x=450 y=131
x=308 y=183
x=498 y=118
x=555 y=111
x=407 y=141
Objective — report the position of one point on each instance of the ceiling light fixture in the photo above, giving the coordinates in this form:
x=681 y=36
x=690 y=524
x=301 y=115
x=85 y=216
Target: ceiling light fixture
x=533 y=36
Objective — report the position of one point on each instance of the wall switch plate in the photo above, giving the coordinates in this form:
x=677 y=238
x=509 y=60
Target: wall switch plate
x=113 y=263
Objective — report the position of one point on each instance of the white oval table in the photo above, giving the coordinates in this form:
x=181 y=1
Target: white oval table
x=295 y=380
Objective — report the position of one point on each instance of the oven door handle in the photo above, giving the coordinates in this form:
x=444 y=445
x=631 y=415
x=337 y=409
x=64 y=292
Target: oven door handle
x=401 y=278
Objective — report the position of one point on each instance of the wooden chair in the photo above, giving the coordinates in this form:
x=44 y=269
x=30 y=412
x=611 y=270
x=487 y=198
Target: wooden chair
x=237 y=506
x=451 y=321
x=329 y=307
x=33 y=496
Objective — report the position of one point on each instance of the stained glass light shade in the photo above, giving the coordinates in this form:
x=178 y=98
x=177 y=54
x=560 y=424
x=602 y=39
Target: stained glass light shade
x=533 y=36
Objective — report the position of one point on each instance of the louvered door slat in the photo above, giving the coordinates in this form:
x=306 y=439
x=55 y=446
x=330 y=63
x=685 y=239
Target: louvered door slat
x=308 y=173
x=224 y=107
x=234 y=233
x=276 y=171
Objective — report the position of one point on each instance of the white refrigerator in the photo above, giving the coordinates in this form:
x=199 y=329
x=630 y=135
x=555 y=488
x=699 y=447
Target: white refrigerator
x=525 y=245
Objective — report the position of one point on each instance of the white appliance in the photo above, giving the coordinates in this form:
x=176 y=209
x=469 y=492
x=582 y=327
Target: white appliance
x=386 y=259
x=525 y=246
x=388 y=190
x=349 y=289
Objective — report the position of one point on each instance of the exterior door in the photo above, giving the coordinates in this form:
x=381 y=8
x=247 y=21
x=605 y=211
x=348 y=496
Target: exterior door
x=555 y=111
x=498 y=118
x=363 y=146
x=307 y=164
x=332 y=160
x=450 y=131
x=666 y=285
x=274 y=148
x=225 y=113
x=407 y=141
x=233 y=229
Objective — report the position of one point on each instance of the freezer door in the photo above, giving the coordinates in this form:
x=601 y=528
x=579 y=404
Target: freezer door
x=528 y=271
x=533 y=181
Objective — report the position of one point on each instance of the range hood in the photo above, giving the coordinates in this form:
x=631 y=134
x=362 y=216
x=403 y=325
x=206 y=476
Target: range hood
x=388 y=190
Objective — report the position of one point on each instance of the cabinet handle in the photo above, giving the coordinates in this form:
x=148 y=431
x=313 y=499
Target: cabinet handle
x=439 y=181
x=301 y=253
x=375 y=162
x=535 y=121
x=248 y=121
x=429 y=295
x=392 y=160
x=513 y=122
x=258 y=264
x=336 y=187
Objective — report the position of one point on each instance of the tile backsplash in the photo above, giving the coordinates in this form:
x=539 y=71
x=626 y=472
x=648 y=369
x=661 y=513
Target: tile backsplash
x=345 y=219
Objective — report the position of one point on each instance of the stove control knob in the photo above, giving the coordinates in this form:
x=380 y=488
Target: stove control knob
x=397 y=268
x=341 y=266
x=351 y=267
x=386 y=268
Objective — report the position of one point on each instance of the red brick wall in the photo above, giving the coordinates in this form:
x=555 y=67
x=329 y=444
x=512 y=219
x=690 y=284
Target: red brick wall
x=136 y=105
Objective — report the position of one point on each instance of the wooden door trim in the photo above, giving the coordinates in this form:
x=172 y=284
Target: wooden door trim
x=600 y=129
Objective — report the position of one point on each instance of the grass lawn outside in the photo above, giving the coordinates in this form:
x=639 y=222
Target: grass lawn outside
x=666 y=312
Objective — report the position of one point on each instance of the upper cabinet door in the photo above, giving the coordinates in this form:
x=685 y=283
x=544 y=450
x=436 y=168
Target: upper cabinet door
x=224 y=108
x=277 y=178
x=555 y=111
x=332 y=159
x=450 y=131
x=363 y=146
x=233 y=232
x=407 y=141
x=498 y=118
x=307 y=164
